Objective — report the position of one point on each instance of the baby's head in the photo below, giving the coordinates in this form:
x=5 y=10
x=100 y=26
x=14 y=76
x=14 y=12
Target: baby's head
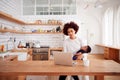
x=87 y=48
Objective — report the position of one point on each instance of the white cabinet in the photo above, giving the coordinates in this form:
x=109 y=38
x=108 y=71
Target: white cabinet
x=37 y=78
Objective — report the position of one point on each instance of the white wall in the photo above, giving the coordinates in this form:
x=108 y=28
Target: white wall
x=90 y=24
x=12 y=7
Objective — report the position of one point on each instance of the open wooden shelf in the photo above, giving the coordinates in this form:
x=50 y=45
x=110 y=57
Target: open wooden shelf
x=37 y=32
x=10 y=18
x=41 y=24
x=21 y=32
x=7 y=30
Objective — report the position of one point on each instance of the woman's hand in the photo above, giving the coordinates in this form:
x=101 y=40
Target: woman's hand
x=80 y=56
x=77 y=54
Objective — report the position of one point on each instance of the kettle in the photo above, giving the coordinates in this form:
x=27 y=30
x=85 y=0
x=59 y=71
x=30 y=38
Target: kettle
x=36 y=44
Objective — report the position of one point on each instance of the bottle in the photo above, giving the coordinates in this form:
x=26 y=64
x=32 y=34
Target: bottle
x=2 y=48
x=19 y=45
x=27 y=45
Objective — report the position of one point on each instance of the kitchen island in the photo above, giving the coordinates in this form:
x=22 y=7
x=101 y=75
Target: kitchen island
x=97 y=68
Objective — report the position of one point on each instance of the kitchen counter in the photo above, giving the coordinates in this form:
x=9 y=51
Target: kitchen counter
x=21 y=56
x=20 y=50
x=57 y=49
x=111 y=52
x=9 y=58
x=28 y=50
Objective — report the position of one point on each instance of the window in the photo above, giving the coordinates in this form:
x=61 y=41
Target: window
x=28 y=7
x=111 y=26
x=49 y=7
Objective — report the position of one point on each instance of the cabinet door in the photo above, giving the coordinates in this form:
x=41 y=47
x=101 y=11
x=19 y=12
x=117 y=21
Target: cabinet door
x=114 y=54
x=106 y=53
x=44 y=56
x=36 y=57
x=40 y=56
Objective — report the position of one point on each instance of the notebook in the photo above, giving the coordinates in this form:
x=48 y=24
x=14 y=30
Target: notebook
x=62 y=58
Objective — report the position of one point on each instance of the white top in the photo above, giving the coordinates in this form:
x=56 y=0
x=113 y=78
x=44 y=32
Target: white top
x=74 y=45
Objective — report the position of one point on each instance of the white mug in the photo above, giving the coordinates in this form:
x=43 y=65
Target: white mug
x=85 y=56
x=86 y=62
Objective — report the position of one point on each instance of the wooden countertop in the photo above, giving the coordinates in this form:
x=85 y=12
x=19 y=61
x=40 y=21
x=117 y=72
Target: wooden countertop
x=59 y=48
x=28 y=49
x=97 y=67
x=8 y=58
x=110 y=46
x=20 y=50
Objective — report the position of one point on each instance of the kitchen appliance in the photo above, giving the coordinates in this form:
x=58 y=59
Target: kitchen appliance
x=36 y=44
x=27 y=45
x=40 y=53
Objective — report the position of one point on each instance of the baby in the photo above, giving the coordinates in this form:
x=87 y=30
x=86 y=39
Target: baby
x=85 y=49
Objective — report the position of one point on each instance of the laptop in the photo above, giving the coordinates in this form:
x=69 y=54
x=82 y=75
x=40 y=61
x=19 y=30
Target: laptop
x=62 y=58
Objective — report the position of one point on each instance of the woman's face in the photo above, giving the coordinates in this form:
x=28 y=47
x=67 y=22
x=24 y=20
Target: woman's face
x=71 y=32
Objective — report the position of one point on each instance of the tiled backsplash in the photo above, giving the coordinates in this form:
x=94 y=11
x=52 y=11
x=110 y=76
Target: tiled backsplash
x=52 y=40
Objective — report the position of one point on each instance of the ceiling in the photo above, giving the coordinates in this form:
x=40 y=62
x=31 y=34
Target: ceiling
x=46 y=7
x=94 y=0
x=66 y=5
x=52 y=2
x=85 y=4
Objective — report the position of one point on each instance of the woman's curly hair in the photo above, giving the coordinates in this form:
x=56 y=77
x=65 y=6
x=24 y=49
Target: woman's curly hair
x=70 y=25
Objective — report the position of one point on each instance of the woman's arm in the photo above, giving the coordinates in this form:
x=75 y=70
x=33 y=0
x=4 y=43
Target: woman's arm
x=77 y=54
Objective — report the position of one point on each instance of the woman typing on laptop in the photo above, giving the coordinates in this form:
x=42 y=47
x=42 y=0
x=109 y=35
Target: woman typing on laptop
x=72 y=43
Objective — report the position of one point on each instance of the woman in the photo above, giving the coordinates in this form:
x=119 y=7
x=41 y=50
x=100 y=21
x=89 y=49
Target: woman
x=72 y=43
